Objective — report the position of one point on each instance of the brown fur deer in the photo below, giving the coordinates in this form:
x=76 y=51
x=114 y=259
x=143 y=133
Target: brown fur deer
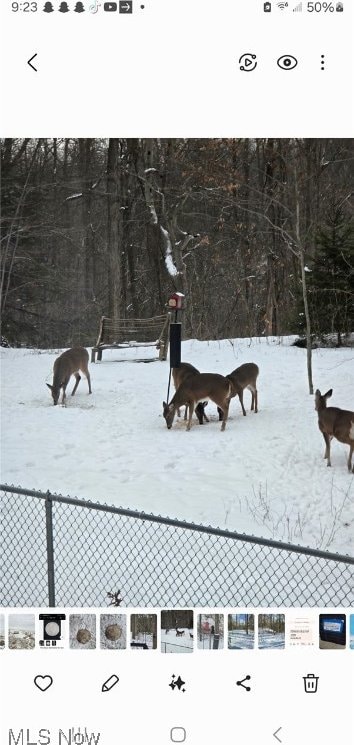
x=69 y=363
x=334 y=422
x=180 y=374
x=205 y=386
x=179 y=633
x=243 y=377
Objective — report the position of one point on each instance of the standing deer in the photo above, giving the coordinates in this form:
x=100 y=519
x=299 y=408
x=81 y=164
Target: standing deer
x=205 y=386
x=334 y=422
x=69 y=363
x=243 y=377
x=180 y=374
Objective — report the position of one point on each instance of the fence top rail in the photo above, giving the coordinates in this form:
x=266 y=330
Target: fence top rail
x=144 y=516
x=128 y=321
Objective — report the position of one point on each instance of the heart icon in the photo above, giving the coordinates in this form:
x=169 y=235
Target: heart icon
x=43 y=682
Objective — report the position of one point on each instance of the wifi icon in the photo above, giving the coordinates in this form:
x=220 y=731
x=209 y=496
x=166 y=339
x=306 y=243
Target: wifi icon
x=282 y=6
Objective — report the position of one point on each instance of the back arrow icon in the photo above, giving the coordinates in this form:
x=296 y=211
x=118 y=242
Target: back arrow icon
x=275 y=734
x=29 y=62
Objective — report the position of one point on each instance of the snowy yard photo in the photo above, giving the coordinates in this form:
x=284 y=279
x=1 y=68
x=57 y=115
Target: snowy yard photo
x=21 y=631
x=240 y=631
x=271 y=631
x=234 y=252
x=177 y=632
x=210 y=631
x=143 y=631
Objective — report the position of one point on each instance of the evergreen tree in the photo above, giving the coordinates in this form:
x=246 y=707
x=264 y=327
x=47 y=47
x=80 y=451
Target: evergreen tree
x=331 y=282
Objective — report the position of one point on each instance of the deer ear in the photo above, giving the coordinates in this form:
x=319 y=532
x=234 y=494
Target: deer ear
x=164 y=404
x=49 y=386
x=329 y=393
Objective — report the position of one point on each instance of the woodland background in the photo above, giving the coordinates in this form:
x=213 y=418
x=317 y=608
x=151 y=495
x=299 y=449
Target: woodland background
x=258 y=234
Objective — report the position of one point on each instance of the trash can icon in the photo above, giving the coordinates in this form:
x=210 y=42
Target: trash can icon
x=310 y=683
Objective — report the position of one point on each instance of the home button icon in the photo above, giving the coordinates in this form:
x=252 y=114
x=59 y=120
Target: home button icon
x=178 y=734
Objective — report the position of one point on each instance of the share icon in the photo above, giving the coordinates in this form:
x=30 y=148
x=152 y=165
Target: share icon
x=241 y=683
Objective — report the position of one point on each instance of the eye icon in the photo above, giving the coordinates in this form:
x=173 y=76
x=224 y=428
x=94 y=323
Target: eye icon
x=287 y=62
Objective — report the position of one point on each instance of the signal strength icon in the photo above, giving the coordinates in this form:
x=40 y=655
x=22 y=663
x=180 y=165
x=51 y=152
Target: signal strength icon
x=298 y=8
x=282 y=6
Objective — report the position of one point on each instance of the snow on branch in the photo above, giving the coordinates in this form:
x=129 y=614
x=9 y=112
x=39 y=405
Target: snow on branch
x=74 y=196
x=170 y=266
x=153 y=214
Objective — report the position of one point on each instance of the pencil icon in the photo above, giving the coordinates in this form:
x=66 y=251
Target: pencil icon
x=110 y=683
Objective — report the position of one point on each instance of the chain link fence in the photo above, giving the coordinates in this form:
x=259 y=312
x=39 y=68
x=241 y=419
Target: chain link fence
x=61 y=551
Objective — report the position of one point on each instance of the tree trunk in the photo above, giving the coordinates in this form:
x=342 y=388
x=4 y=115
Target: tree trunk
x=113 y=230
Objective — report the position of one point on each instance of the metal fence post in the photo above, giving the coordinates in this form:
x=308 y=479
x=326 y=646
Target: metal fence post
x=50 y=549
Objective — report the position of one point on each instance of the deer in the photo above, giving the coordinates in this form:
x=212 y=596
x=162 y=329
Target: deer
x=334 y=422
x=67 y=364
x=205 y=386
x=179 y=633
x=180 y=374
x=243 y=377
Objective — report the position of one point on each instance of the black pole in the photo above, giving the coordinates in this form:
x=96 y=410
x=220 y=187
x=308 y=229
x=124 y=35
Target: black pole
x=50 y=549
x=175 y=344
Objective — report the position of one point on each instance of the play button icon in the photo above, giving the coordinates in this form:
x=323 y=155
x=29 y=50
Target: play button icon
x=248 y=62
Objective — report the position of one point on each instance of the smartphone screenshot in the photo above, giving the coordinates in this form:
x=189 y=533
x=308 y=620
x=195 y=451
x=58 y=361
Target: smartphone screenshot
x=177 y=372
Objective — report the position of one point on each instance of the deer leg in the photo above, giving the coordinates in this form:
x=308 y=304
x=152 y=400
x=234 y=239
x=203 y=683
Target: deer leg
x=199 y=410
x=225 y=409
x=78 y=378
x=191 y=411
x=64 y=395
x=350 y=469
x=240 y=395
x=221 y=414
x=204 y=414
x=327 y=454
x=88 y=378
x=254 y=404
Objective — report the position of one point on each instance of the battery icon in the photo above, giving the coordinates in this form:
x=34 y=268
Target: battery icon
x=267 y=7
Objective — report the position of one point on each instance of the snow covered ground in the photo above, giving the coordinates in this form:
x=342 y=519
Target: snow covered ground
x=271 y=641
x=239 y=639
x=264 y=475
x=143 y=638
x=170 y=642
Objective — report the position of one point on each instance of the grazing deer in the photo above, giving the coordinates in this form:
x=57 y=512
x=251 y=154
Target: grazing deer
x=180 y=374
x=69 y=363
x=199 y=388
x=191 y=635
x=243 y=377
x=179 y=633
x=334 y=422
